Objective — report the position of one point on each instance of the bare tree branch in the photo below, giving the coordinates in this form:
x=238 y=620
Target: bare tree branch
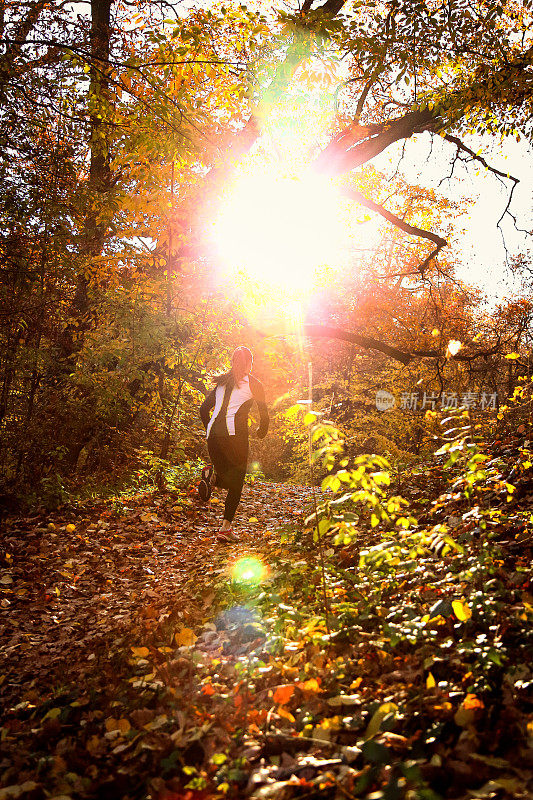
x=476 y=157
x=404 y=357
x=353 y=194
x=330 y=332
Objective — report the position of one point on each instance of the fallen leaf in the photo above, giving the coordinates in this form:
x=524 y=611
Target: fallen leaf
x=377 y=718
x=124 y=725
x=185 y=637
x=462 y=611
x=283 y=694
x=286 y=714
x=53 y=713
x=140 y=652
x=472 y=701
x=311 y=685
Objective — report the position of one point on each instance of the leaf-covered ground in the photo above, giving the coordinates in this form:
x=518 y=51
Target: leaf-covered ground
x=142 y=658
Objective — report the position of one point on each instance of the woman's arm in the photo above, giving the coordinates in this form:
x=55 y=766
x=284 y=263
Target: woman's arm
x=206 y=407
x=259 y=397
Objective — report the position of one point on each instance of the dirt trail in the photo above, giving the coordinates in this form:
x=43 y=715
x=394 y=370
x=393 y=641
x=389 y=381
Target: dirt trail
x=73 y=596
x=135 y=664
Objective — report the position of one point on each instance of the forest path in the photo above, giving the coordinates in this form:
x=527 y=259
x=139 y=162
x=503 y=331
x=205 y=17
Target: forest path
x=76 y=586
x=136 y=663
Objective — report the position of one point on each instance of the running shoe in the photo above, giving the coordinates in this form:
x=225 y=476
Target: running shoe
x=204 y=487
x=227 y=536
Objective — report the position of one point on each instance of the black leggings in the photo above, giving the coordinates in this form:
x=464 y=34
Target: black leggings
x=229 y=455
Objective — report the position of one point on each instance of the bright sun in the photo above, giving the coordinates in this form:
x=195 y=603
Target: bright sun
x=280 y=230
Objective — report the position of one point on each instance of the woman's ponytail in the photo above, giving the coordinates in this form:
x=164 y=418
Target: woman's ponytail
x=241 y=364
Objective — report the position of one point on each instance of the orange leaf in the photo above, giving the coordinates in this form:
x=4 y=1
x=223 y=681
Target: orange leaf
x=287 y=714
x=123 y=725
x=208 y=690
x=283 y=694
x=140 y=652
x=471 y=701
x=185 y=637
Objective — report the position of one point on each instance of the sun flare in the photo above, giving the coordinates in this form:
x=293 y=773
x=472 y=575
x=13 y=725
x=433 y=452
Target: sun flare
x=280 y=230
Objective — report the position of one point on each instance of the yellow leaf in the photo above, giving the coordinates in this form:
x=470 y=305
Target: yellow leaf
x=53 y=713
x=377 y=718
x=140 y=652
x=430 y=681
x=310 y=685
x=70 y=528
x=287 y=714
x=512 y=356
x=186 y=637
x=253 y=519
x=461 y=610
x=283 y=694
x=331 y=722
x=214 y=500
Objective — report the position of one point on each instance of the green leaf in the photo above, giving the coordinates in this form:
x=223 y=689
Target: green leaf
x=375 y=752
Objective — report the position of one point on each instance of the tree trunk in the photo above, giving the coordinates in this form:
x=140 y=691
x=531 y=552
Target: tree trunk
x=99 y=170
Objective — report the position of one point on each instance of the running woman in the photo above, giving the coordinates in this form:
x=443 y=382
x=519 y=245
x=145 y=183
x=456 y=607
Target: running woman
x=227 y=433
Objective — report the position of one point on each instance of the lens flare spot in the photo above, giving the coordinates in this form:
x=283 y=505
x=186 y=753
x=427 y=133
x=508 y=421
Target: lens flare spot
x=249 y=570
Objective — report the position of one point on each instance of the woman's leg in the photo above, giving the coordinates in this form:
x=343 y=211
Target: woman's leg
x=229 y=455
x=238 y=456
x=234 y=496
x=219 y=458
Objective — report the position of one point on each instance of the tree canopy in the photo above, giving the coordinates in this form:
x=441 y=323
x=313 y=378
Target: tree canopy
x=123 y=128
